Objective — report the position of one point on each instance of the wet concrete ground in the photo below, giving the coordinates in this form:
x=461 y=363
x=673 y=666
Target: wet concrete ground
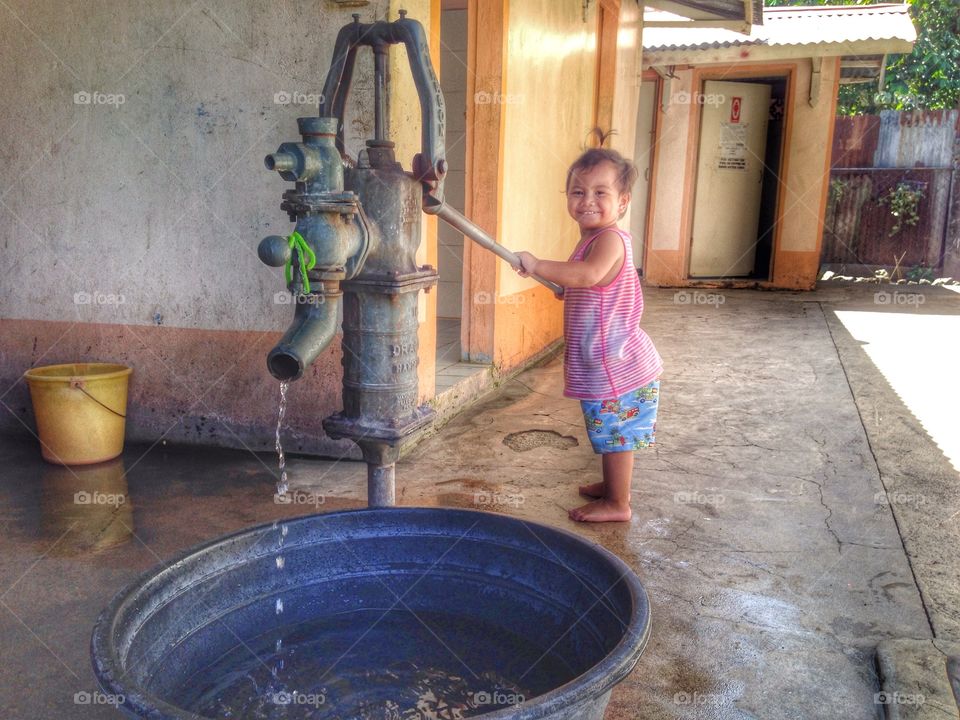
x=800 y=508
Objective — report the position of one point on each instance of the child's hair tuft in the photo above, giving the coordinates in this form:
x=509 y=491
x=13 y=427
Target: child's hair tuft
x=627 y=172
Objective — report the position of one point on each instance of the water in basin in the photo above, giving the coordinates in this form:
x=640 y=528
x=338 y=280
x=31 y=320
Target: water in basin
x=442 y=667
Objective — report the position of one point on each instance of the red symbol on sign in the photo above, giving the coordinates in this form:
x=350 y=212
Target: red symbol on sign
x=735 y=109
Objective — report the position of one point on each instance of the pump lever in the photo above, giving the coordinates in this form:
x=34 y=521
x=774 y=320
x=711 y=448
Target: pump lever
x=433 y=206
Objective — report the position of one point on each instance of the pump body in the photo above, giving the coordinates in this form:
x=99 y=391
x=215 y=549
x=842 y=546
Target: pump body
x=362 y=221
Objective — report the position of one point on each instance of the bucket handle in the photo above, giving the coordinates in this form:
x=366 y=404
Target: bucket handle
x=78 y=384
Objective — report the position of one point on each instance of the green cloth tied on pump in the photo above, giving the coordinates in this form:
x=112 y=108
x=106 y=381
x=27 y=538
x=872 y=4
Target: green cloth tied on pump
x=306 y=260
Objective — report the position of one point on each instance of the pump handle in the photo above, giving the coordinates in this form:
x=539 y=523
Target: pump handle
x=430 y=164
x=433 y=206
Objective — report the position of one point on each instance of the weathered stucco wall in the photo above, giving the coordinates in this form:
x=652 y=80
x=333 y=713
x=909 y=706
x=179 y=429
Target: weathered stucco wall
x=133 y=197
x=808 y=158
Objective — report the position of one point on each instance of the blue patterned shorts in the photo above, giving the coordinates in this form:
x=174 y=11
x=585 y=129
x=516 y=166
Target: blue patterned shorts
x=623 y=424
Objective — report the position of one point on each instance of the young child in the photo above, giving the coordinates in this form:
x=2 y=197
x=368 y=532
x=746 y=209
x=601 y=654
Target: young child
x=610 y=364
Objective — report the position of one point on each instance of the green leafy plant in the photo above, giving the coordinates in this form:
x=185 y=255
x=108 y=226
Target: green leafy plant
x=837 y=187
x=927 y=78
x=904 y=201
x=919 y=272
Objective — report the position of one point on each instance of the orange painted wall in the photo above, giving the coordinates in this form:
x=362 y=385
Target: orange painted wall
x=526 y=323
x=548 y=108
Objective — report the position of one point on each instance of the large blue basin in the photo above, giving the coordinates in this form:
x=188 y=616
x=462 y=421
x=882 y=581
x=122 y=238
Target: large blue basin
x=493 y=616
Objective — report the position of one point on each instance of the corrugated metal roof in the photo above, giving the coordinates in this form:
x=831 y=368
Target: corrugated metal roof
x=788 y=26
x=712 y=9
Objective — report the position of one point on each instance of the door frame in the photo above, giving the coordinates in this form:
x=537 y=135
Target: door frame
x=487 y=27
x=733 y=73
x=605 y=78
x=655 y=129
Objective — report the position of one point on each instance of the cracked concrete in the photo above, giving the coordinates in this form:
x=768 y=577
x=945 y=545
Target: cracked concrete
x=794 y=515
x=915 y=682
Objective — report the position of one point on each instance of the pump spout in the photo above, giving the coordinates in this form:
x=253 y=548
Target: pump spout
x=313 y=328
x=330 y=244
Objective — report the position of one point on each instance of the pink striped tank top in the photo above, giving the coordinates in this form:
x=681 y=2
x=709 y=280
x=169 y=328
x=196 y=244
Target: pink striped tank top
x=607 y=354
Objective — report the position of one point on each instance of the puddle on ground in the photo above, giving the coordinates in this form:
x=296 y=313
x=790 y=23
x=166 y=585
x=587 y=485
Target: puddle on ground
x=475 y=494
x=529 y=439
x=85 y=509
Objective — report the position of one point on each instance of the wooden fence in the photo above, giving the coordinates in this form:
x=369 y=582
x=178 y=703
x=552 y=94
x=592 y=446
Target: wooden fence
x=904 y=162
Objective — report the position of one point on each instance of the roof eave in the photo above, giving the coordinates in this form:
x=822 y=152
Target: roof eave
x=714 y=13
x=759 y=52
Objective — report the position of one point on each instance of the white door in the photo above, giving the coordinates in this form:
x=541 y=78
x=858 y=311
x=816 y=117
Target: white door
x=642 y=157
x=733 y=138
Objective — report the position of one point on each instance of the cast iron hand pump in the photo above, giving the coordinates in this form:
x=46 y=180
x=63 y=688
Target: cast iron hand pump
x=361 y=219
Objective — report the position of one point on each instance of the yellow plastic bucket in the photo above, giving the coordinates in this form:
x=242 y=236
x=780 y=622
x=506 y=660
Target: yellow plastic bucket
x=81 y=411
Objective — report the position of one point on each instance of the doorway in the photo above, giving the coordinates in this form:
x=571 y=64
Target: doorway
x=644 y=145
x=738 y=178
x=453 y=83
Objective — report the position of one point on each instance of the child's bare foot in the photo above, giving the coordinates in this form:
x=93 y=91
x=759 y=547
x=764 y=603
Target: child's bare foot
x=601 y=511
x=592 y=491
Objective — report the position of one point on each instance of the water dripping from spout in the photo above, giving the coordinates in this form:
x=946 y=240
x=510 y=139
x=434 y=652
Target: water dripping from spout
x=282 y=485
x=282 y=530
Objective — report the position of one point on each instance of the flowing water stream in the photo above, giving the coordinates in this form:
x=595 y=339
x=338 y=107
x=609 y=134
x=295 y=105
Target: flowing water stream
x=282 y=485
x=282 y=488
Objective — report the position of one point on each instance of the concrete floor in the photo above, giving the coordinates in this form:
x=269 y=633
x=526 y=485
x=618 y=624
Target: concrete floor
x=800 y=508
